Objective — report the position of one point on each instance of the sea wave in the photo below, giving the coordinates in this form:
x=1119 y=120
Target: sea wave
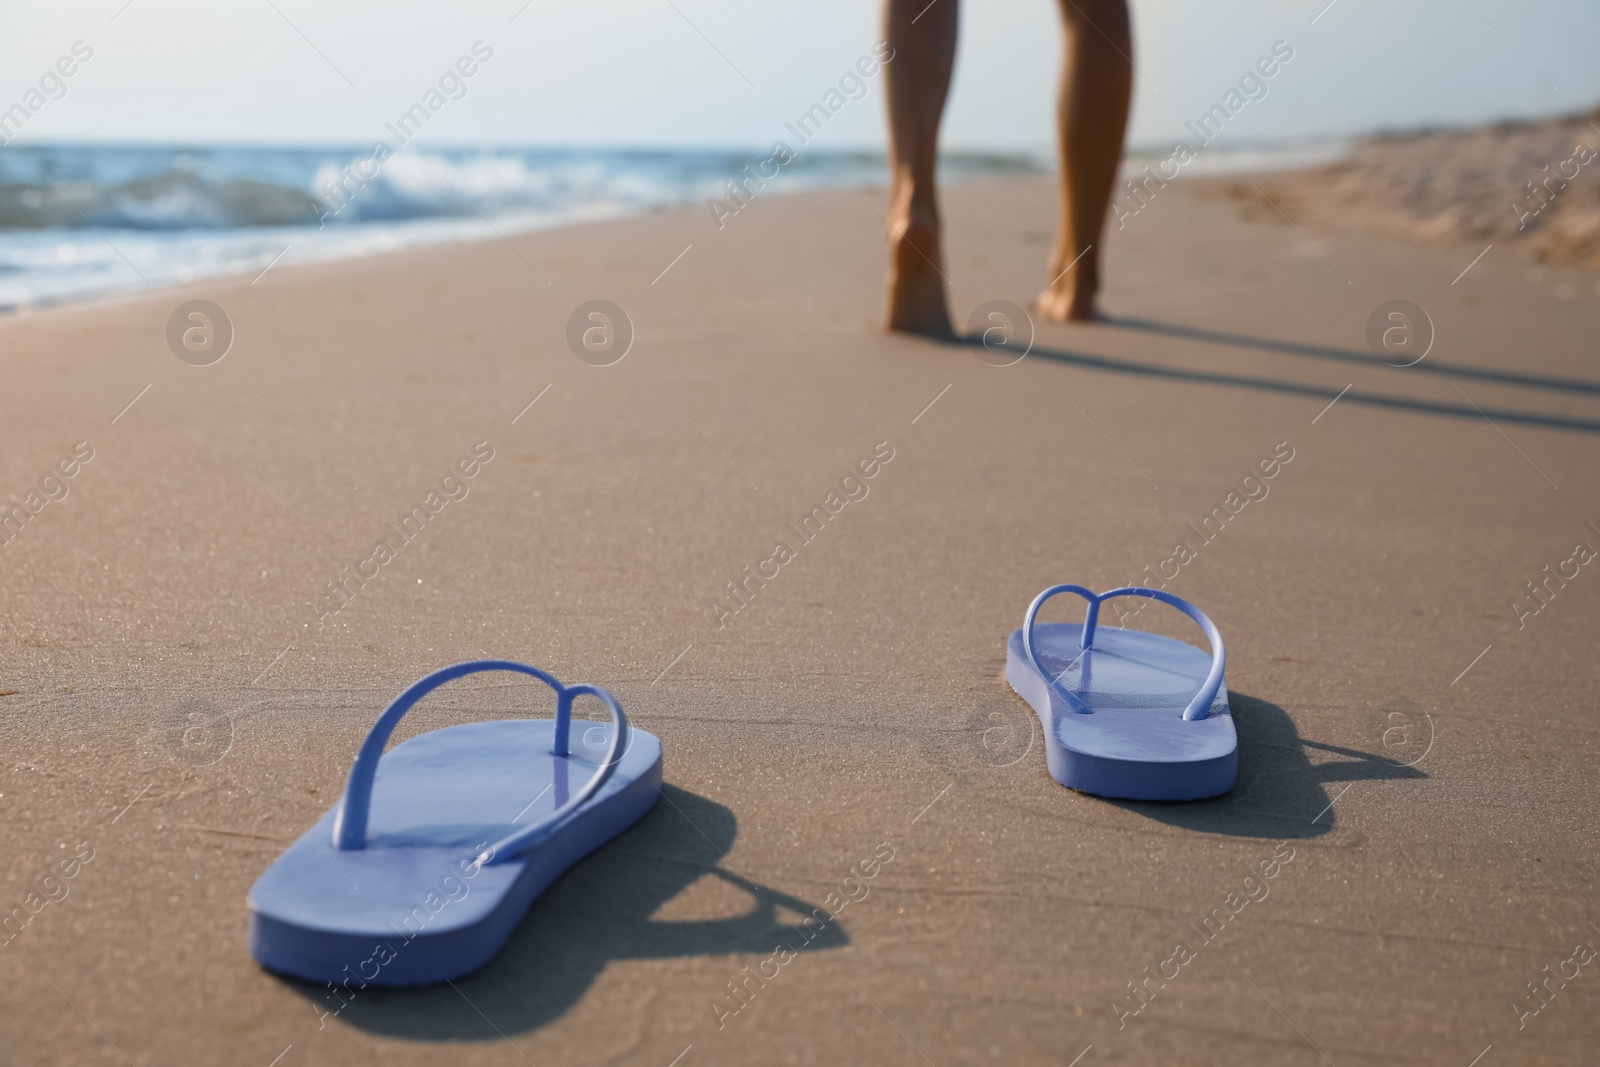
x=78 y=221
x=174 y=200
x=163 y=190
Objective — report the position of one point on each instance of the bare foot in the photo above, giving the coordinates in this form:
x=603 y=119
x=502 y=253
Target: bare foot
x=1068 y=300
x=1074 y=281
x=916 y=288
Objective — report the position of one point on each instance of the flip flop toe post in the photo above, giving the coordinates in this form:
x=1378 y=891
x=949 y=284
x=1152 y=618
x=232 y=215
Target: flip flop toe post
x=440 y=846
x=1127 y=714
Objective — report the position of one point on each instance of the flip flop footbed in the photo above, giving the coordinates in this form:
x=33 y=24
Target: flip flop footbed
x=1134 y=742
x=413 y=907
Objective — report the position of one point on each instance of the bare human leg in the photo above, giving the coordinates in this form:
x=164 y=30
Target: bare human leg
x=1096 y=85
x=922 y=39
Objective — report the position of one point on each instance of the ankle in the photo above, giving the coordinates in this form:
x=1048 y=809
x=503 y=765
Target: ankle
x=1064 y=254
x=911 y=207
x=1080 y=279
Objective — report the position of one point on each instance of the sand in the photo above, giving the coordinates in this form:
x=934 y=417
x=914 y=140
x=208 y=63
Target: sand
x=1530 y=187
x=1417 y=753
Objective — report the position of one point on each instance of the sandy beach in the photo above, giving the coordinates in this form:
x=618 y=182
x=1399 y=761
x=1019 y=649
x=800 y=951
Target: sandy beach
x=183 y=695
x=1530 y=186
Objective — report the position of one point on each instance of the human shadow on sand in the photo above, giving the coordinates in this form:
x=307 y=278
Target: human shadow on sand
x=1326 y=394
x=1280 y=794
x=1364 y=359
x=597 y=912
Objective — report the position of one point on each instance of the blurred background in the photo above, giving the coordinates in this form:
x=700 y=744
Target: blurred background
x=194 y=139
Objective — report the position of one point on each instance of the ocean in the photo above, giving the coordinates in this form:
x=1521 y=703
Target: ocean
x=84 y=221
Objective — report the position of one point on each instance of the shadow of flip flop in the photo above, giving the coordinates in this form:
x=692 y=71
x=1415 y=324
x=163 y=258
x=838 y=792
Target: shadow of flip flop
x=597 y=912
x=1280 y=794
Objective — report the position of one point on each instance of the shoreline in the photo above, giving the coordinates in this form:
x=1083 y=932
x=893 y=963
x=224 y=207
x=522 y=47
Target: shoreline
x=1301 y=178
x=262 y=246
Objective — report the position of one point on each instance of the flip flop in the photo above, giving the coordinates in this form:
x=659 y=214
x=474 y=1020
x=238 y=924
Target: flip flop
x=439 y=848
x=1126 y=714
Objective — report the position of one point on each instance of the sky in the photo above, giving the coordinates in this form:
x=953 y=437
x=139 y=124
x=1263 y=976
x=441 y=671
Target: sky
x=730 y=73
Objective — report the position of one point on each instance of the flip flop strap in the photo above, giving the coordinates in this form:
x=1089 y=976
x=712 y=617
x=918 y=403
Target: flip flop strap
x=350 y=825
x=1198 y=708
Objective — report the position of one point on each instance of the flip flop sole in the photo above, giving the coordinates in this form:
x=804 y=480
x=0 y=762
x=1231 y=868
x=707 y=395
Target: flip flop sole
x=413 y=907
x=1132 y=744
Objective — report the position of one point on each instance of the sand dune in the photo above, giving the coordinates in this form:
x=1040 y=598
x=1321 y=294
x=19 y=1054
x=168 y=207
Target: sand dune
x=1533 y=187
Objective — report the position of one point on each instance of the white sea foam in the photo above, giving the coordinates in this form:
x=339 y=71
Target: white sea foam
x=78 y=222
